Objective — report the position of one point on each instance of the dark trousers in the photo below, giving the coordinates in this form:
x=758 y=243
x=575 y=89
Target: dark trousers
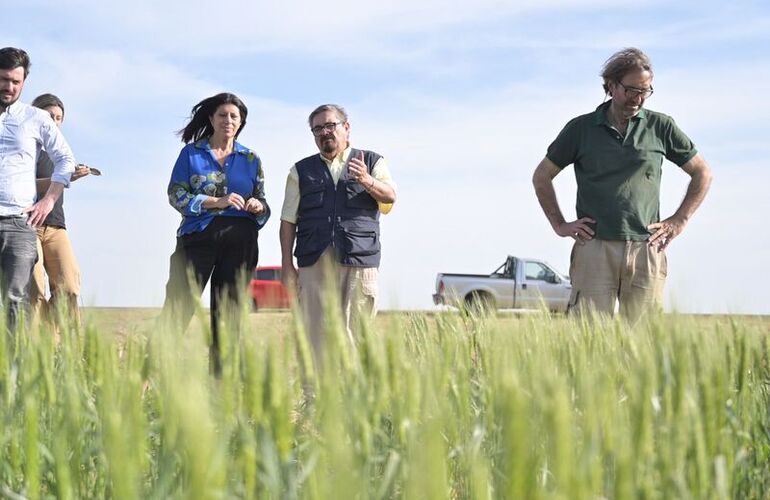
x=225 y=252
x=18 y=254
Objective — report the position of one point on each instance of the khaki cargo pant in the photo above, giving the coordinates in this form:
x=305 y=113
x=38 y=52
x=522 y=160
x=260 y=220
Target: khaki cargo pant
x=57 y=259
x=356 y=291
x=607 y=272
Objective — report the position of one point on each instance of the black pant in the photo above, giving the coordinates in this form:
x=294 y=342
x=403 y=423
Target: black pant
x=225 y=252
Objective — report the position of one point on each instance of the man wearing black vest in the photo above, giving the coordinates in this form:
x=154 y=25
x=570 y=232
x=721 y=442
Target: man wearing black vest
x=331 y=211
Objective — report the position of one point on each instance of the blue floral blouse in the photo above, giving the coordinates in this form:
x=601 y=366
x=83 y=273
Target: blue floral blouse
x=197 y=175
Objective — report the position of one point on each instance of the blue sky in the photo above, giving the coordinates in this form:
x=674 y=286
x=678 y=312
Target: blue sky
x=463 y=99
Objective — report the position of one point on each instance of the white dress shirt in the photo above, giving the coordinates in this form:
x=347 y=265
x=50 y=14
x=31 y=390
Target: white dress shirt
x=24 y=131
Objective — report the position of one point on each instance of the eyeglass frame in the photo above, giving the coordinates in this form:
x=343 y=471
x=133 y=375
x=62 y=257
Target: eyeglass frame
x=645 y=93
x=320 y=129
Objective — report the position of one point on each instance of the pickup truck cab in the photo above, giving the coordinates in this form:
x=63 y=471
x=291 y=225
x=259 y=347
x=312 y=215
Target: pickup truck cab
x=519 y=283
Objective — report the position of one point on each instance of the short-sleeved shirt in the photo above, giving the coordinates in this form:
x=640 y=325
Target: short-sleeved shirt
x=197 y=176
x=618 y=178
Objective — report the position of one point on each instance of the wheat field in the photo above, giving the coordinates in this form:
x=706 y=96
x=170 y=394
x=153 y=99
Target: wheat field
x=426 y=405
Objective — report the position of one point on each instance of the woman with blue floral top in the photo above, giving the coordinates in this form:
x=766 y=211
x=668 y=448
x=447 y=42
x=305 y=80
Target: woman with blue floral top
x=218 y=186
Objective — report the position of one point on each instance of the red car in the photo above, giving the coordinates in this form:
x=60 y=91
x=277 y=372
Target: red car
x=267 y=289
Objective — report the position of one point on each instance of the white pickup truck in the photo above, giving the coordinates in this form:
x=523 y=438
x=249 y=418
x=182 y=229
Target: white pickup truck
x=516 y=284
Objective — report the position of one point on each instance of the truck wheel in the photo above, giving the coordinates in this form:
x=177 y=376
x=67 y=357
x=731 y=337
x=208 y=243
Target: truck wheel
x=479 y=302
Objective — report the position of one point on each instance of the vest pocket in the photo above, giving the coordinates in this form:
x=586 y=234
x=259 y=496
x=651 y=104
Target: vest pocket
x=357 y=197
x=312 y=196
x=308 y=242
x=361 y=243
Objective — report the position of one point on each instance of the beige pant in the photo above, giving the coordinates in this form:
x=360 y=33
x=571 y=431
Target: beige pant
x=606 y=272
x=354 y=289
x=55 y=258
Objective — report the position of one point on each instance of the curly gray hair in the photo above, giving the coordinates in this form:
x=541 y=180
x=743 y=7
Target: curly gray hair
x=623 y=62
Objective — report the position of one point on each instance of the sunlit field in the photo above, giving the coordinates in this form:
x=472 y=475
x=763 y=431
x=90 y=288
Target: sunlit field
x=446 y=405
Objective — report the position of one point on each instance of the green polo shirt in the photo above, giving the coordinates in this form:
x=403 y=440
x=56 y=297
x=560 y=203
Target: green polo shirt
x=618 y=178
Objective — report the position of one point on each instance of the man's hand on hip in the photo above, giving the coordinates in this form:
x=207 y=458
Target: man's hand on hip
x=578 y=230
x=37 y=213
x=665 y=231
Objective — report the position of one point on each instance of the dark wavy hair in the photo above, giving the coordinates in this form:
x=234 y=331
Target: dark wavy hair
x=200 y=125
x=46 y=101
x=12 y=58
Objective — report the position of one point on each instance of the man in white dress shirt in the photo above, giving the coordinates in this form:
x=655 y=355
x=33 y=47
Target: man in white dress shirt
x=24 y=131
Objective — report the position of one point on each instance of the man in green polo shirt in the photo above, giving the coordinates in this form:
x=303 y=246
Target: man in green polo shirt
x=618 y=151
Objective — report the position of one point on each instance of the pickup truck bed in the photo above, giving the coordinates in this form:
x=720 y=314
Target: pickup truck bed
x=516 y=284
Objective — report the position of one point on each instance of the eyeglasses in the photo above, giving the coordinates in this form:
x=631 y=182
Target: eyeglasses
x=326 y=127
x=632 y=92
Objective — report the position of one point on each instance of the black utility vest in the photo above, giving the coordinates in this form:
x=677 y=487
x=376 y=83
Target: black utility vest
x=342 y=215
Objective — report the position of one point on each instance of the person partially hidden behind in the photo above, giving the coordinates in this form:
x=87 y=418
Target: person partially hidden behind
x=56 y=257
x=618 y=151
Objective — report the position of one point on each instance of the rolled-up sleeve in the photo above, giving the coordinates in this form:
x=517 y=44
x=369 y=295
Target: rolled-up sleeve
x=179 y=191
x=59 y=151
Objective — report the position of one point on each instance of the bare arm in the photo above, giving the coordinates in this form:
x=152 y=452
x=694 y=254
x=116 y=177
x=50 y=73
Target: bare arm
x=700 y=181
x=42 y=183
x=542 y=179
x=380 y=191
x=287 y=234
